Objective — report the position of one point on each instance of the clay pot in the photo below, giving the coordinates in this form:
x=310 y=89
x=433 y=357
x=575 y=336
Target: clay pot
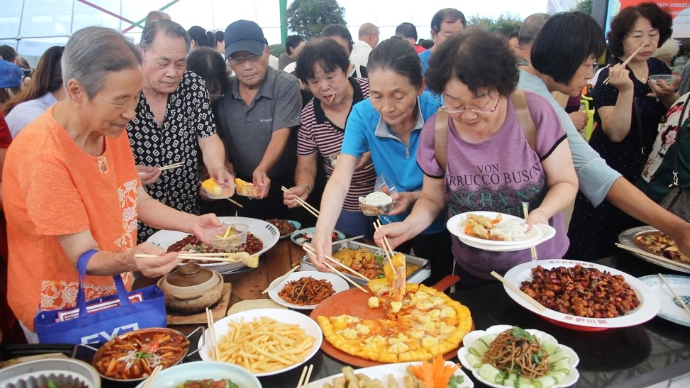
x=191 y=288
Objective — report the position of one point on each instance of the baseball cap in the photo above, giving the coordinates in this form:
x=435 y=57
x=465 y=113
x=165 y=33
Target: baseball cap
x=244 y=35
x=10 y=75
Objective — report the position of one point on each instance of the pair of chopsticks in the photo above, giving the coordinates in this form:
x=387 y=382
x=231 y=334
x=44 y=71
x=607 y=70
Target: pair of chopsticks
x=306 y=375
x=168 y=167
x=239 y=205
x=279 y=279
x=532 y=249
x=153 y=375
x=607 y=80
x=682 y=303
x=196 y=256
x=311 y=250
x=652 y=256
x=386 y=245
x=519 y=291
x=311 y=209
x=215 y=354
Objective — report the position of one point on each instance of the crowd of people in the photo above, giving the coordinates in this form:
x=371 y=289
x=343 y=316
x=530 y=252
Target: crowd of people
x=470 y=124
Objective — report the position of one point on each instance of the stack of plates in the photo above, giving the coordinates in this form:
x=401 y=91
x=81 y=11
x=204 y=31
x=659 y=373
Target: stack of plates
x=533 y=237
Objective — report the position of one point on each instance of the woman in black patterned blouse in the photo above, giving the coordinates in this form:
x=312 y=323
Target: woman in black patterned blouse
x=629 y=110
x=174 y=123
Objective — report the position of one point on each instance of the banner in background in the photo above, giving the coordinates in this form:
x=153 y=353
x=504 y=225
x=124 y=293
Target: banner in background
x=680 y=10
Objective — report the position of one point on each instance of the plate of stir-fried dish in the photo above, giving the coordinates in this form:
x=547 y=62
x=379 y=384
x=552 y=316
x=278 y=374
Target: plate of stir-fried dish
x=306 y=289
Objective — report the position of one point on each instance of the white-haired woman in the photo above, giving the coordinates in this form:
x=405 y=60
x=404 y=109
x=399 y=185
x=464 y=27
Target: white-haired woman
x=71 y=189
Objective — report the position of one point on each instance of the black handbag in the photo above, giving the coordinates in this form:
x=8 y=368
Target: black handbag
x=677 y=201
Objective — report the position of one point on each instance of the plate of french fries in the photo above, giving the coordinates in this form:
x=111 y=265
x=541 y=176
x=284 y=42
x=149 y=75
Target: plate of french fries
x=399 y=375
x=263 y=341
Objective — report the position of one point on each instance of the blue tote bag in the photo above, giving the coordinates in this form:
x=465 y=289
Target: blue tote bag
x=101 y=326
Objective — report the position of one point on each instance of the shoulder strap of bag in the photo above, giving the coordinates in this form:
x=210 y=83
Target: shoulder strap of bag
x=441 y=139
x=675 y=152
x=638 y=121
x=525 y=118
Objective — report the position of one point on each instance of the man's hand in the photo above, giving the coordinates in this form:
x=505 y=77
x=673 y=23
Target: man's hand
x=261 y=180
x=301 y=191
x=223 y=177
x=148 y=174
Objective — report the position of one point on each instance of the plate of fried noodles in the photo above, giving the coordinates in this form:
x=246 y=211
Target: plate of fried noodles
x=304 y=290
x=509 y=356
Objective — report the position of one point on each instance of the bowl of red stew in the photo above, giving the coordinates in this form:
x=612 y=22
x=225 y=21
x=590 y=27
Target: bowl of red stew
x=133 y=356
x=205 y=374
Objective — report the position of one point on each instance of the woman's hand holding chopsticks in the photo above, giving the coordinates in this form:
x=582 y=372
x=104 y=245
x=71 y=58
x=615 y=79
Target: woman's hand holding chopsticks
x=151 y=260
x=148 y=174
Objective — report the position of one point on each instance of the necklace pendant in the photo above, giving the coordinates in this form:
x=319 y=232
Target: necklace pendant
x=103 y=164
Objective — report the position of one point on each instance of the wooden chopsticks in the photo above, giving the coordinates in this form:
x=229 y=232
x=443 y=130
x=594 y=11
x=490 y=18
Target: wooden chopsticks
x=215 y=354
x=305 y=376
x=532 y=249
x=682 y=303
x=310 y=250
x=239 y=205
x=171 y=166
x=197 y=256
x=652 y=256
x=607 y=81
x=519 y=291
x=386 y=245
x=153 y=375
x=279 y=279
x=311 y=209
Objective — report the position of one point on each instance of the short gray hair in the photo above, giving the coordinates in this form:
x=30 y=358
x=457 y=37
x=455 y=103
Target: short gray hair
x=168 y=27
x=531 y=26
x=92 y=52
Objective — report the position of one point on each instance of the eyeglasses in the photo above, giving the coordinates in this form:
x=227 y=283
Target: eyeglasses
x=475 y=109
x=242 y=60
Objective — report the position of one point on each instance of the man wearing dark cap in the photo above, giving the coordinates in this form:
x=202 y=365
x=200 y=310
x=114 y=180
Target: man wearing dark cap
x=257 y=113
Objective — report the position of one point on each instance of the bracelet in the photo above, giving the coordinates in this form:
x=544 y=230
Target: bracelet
x=308 y=186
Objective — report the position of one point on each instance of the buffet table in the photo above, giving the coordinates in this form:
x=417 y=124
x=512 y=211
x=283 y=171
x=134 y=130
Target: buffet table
x=631 y=357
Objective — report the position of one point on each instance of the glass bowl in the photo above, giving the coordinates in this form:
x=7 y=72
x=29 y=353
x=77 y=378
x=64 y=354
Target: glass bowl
x=668 y=78
x=221 y=240
x=214 y=190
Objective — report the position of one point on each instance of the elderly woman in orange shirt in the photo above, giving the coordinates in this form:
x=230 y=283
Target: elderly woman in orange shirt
x=71 y=189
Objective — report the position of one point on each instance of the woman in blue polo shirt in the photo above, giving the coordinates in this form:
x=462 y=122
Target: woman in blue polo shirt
x=388 y=125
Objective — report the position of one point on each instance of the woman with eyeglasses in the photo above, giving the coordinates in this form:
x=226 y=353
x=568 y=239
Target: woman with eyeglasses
x=388 y=124
x=491 y=161
x=629 y=109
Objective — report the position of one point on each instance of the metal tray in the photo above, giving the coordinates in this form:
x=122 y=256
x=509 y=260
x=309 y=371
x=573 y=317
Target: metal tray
x=422 y=273
x=627 y=238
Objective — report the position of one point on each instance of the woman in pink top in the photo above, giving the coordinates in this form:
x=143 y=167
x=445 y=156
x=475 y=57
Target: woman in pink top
x=491 y=165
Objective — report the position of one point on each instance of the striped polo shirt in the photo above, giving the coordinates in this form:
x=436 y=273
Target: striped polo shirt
x=318 y=133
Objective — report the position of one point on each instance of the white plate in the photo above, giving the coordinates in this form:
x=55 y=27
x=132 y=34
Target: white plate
x=296 y=224
x=547 y=233
x=298 y=238
x=649 y=302
x=670 y=310
x=267 y=233
x=337 y=283
x=473 y=336
x=177 y=375
x=381 y=372
x=627 y=238
x=310 y=327
x=454 y=225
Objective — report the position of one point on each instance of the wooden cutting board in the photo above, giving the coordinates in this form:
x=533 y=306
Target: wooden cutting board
x=355 y=303
x=219 y=311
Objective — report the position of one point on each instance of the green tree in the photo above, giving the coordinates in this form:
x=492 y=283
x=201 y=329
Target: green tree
x=505 y=24
x=584 y=6
x=308 y=17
